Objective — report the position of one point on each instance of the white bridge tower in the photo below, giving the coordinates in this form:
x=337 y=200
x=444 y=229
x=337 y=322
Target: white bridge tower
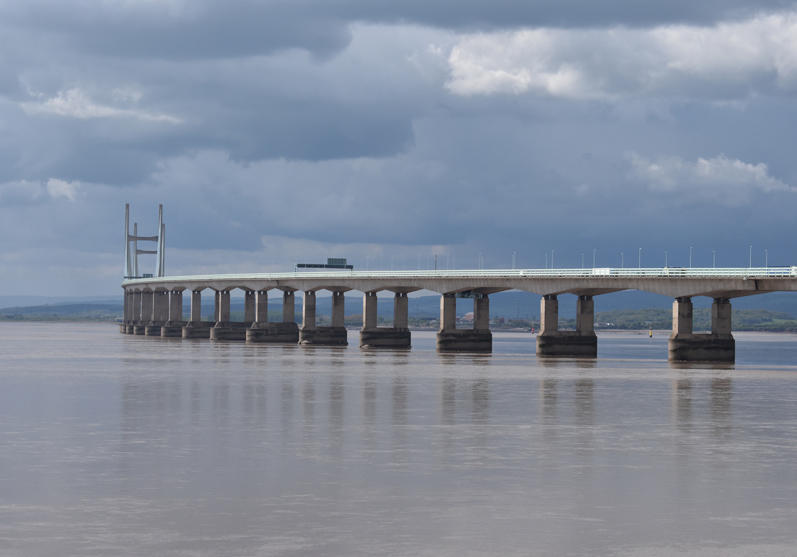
x=131 y=247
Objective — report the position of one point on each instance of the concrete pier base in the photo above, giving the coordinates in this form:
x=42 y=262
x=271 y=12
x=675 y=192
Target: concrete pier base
x=385 y=337
x=153 y=329
x=228 y=331
x=716 y=346
x=465 y=340
x=567 y=343
x=284 y=333
x=324 y=336
x=581 y=343
x=129 y=328
x=139 y=328
x=172 y=329
x=197 y=329
x=706 y=347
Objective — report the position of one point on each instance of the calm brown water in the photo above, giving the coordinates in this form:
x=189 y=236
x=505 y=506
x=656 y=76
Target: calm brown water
x=119 y=445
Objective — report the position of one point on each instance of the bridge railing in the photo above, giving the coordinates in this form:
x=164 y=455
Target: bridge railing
x=598 y=272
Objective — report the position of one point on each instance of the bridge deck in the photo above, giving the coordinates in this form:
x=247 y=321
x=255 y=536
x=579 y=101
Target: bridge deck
x=670 y=281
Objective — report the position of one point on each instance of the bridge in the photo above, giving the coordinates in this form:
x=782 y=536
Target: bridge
x=153 y=305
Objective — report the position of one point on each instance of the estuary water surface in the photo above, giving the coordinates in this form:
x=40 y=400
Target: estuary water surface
x=119 y=445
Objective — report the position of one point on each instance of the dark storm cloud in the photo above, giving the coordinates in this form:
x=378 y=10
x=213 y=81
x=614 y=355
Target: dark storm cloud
x=480 y=14
x=391 y=131
x=219 y=29
x=182 y=30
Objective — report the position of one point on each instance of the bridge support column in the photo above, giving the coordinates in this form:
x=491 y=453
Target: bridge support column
x=196 y=328
x=196 y=306
x=308 y=311
x=135 y=312
x=261 y=308
x=224 y=329
x=477 y=339
x=126 y=300
x=338 y=309
x=716 y=346
x=334 y=335
x=581 y=343
x=370 y=310
x=131 y=313
x=288 y=306
x=249 y=306
x=401 y=311
x=263 y=331
x=373 y=336
x=174 y=325
x=160 y=313
x=145 y=312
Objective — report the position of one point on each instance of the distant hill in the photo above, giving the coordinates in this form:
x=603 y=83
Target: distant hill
x=743 y=319
x=63 y=312
x=28 y=301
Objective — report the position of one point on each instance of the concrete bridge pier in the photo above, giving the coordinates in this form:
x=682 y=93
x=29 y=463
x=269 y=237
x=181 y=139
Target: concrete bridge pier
x=716 y=346
x=225 y=329
x=334 y=335
x=160 y=313
x=135 y=312
x=373 y=336
x=195 y=327
x=133 y=306
x=145 y=312
x=127 y=313
x=262 y=330
x=174 y=324
x=581 y=343
x=477 y=339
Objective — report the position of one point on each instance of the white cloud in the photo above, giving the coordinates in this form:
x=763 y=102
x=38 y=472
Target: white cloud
x=728 y=60
x=24 y=192
x=74 y=103
x=726 y=181
x=60 y=188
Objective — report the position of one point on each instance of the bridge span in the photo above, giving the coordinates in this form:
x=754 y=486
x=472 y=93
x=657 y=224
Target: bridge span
x=153 y=305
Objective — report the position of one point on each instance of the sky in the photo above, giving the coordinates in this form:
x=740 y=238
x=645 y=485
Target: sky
x=483 y=133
